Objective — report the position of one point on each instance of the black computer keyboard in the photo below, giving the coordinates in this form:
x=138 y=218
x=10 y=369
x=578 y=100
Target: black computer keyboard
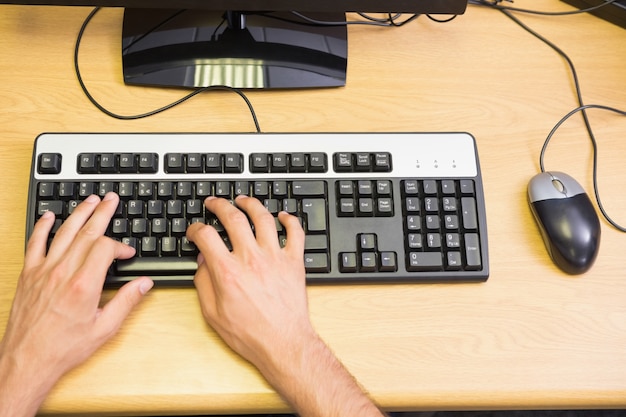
x=376 y=207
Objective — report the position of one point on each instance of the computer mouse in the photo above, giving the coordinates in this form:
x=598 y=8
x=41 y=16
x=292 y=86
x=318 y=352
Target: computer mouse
x=567 y=220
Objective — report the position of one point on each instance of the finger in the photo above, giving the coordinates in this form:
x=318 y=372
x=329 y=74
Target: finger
x=234 y=221
x=295 y=234
x=70 y=227
x=95 y=227
x=264 y=223
x=207 y=240
x=38 y=242
x=120 y=306
x=206 y=290
x=99 y=220
x=95 y=264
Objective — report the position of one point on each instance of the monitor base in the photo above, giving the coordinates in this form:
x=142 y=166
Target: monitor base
x=196 y=48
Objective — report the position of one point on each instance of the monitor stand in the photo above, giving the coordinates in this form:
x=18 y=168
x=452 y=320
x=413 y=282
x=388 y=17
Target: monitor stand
x=198 y=48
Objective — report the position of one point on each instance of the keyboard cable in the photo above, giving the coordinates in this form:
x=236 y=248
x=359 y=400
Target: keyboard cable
x=194 y=93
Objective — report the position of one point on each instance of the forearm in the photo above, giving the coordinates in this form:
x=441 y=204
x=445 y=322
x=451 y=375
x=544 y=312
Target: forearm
x=315 y=383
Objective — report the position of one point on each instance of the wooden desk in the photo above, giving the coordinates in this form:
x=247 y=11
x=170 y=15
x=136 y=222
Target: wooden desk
x=530 y=337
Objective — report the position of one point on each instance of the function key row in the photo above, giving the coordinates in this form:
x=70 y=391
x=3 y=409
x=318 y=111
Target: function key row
x=148 y=162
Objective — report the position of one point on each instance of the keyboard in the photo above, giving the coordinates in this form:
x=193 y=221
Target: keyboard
x=375 y=207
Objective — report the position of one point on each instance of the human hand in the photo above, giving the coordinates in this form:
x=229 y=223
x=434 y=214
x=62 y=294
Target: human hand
x=56 y=322
x=255 y=296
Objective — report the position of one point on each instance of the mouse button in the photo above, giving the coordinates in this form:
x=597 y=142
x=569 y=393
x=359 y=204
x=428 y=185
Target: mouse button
x=559 y=186
x=541 y=188
x=570 y=185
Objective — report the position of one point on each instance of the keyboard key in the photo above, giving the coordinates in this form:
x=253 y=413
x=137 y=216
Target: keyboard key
x=149 y=246
x=317 y=162
x=316 y=262
x=213 y=162
x=108 y=163
x=49 y=163
x=347 y=262
x=259 y=162
x=174 y=162
x=148 y=163
x=363 y=161
x=47 y=190
x=297 y=162
x=87 y=163
x=424 y=261
x=472 y=251
x=369 y=263
x=157 y=266
x=233 y=163
x=382 y=162
x=343 y=162
x=388 y=262
x=367 y=242
x=468 y=206
x=315 y=210
x=279 y=162
x=308 y=188
x=315 y=243
x=194 y=163
x=54 y=206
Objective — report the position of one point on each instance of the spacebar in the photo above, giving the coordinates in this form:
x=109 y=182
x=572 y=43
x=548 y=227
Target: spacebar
x=184 y=265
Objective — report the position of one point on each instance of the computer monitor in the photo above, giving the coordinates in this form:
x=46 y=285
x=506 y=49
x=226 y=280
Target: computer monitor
x=242 y=43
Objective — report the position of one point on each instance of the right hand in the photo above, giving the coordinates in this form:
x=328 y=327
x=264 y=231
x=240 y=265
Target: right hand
x=255 y=296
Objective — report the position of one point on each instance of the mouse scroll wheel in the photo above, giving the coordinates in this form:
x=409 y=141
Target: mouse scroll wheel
x=559 y=186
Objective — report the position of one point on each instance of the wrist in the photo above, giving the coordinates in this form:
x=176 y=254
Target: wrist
x=315 y=383
x=22 y=387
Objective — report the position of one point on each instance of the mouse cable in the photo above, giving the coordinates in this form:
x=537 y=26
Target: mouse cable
x=595 y=154
x=581 y=108
x=570 y=63
x=495 y=4
x=194 y=93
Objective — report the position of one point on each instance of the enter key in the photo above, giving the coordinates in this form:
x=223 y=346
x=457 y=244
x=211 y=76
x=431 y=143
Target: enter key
x=315 y=210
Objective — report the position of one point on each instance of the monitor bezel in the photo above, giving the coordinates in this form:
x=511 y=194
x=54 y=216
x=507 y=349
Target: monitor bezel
x=371 y=6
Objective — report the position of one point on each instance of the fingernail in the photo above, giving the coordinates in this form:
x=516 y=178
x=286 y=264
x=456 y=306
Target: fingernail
x=47 y=214
x=145 y=286
x=109 y=196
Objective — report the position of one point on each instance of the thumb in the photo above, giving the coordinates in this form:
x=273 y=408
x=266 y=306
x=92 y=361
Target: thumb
x=120 y=306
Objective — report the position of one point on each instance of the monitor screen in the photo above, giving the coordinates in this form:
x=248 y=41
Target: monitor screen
x=251 y=44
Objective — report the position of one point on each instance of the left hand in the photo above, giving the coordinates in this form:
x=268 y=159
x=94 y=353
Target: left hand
x=56 y=322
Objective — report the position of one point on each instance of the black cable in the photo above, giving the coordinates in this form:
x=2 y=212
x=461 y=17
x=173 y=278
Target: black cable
x=156 y=111
x=581 y=106
x=389 y=17
x=570 y=63
x=495 y=4
x=595 y=155
x=449 y=19
x=371 y=21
